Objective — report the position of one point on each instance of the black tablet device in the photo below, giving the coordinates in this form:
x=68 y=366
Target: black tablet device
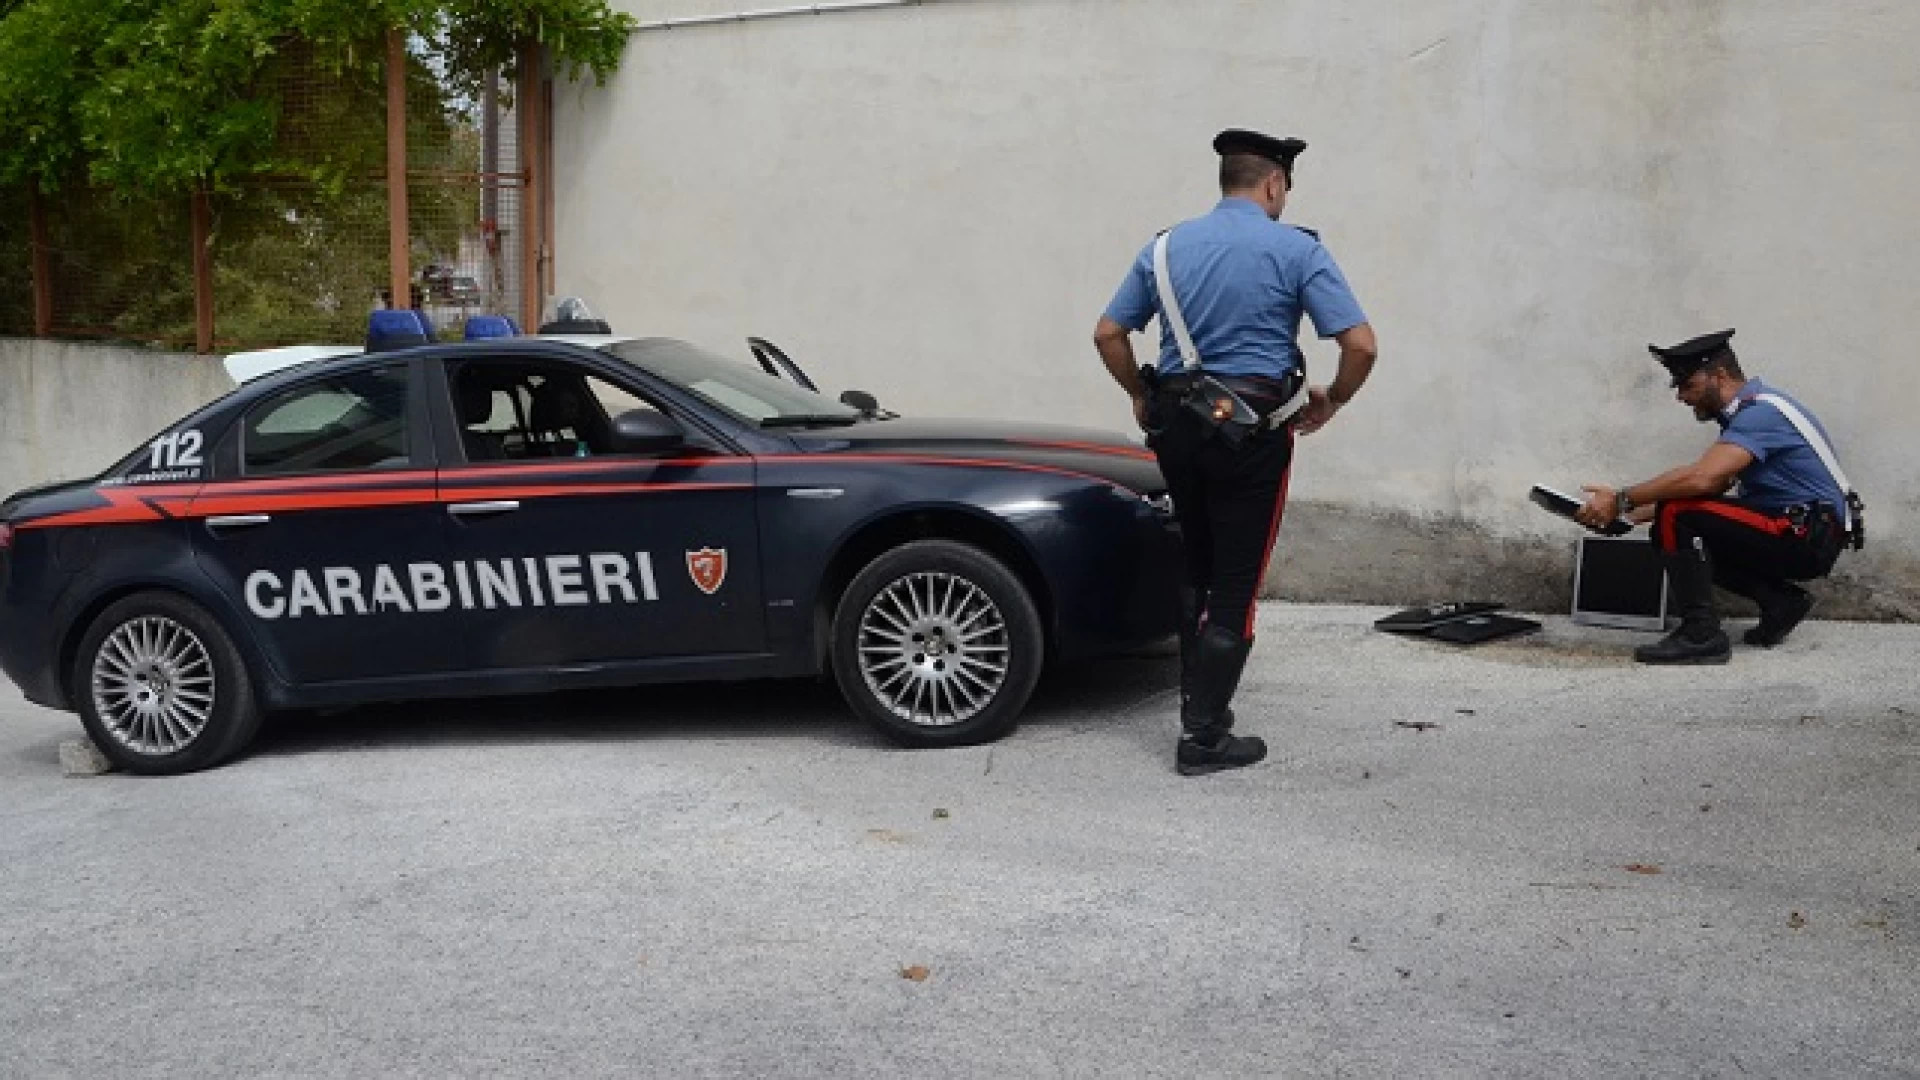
x=1559 y=502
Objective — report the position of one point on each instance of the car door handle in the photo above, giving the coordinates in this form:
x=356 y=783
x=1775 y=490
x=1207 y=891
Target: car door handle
x=482 y=509
x=237 y=521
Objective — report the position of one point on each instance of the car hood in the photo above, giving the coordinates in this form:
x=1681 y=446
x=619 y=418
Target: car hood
x=1105 y=454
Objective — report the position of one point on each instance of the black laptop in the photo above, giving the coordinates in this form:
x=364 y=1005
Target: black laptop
x=1419 y=620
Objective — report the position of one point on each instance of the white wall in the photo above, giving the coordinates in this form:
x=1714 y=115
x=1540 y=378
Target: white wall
x=935 y=203
x=69 y=410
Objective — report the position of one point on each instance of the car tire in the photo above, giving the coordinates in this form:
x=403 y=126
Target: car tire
x=161 y=688
x=937 y=643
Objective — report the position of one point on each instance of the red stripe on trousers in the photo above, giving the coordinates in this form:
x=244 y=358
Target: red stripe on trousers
x=1273 y=533
x=1772 y=526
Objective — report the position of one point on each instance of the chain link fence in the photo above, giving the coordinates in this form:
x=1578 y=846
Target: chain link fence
x=302 y=255
x=16 y=261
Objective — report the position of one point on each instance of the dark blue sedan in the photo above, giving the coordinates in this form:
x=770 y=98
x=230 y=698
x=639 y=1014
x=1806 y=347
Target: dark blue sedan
x=536 y=513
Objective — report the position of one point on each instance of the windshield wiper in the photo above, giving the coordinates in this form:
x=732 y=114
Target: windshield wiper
x=810 y=419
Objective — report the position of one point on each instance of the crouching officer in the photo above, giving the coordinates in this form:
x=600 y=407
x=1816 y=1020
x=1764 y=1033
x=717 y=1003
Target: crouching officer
x=1219 y=407
x=1794 y=513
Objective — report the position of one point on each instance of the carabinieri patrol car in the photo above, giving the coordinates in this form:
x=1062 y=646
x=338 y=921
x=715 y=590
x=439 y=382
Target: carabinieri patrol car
x=523 y=513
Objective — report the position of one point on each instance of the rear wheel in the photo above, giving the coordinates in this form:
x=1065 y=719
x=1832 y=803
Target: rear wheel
x=937 y=643
x=161 y=687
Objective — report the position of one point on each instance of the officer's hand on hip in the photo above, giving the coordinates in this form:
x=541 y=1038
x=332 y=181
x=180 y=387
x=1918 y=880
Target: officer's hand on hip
x=1140 y=413
x=1318 y=411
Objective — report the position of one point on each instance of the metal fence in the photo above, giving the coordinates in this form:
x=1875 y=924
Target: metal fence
x=16 y=259
x=300 y=255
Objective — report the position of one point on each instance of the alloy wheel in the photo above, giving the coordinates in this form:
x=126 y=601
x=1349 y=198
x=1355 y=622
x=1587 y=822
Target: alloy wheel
x=153 y=685
x=934 y=648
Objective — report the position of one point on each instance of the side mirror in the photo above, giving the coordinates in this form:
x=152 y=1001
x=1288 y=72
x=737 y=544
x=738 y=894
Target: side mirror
x=644 y=431
x=860 y=399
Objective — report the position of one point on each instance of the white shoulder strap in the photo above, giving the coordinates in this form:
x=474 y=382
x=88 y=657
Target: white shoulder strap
x=1170 y=304
x=1814 y=439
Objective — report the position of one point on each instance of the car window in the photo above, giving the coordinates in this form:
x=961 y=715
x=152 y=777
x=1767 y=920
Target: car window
x=512 y=411
x=352 y=421
x=744 y=391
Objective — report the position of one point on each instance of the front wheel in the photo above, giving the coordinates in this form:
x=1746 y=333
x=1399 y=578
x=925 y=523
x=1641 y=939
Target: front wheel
x=937 y=643
x=161 y=688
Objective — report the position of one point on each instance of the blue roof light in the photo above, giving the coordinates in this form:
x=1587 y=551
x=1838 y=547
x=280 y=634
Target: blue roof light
x=391 y=329
x=490 y=326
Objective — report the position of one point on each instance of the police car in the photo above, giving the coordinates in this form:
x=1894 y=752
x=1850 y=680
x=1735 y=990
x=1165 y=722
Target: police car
x=516 y=513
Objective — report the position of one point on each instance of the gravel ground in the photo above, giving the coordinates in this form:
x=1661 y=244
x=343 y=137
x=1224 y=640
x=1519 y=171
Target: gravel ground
x=1520 y=859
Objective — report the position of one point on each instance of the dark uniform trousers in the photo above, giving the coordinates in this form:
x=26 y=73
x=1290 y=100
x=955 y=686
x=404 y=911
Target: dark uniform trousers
x=1228 y=499
x=1746 y=550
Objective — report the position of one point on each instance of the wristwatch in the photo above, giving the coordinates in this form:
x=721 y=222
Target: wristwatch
x=1622 y=502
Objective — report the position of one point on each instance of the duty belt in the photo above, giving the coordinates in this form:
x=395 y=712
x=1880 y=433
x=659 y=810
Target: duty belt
x=1289 y=390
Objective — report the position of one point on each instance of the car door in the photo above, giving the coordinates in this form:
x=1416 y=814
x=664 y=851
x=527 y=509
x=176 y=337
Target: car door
x=322 y=525
x=577 y=553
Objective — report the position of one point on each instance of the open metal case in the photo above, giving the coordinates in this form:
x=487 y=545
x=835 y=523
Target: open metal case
x=1620 y=582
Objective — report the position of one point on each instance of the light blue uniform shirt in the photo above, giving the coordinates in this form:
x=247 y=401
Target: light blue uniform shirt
x=1785 y=470
x=1242 y=280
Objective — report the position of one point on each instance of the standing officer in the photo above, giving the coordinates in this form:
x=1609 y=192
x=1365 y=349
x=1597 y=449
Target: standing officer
x=1230 y=291
x=1794 y=514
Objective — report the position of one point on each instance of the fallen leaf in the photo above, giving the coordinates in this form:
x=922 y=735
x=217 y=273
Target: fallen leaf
x=917 y=973
x=888 y=836
x=940 y=813
x=1464 y=712
x=1416 y=725
x=1705 y=806
x=1641 y=868
x=1795 y=921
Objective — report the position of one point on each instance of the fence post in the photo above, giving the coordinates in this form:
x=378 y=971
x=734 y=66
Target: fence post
x=526 y=102
x=42 y=261
x=549 y=264
x=202 y=272
x=399 y=270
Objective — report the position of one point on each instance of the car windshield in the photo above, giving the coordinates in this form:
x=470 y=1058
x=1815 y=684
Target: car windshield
x=733 y=386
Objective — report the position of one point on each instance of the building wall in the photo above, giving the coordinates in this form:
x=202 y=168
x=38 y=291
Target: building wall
x=69 y=410
x=935 y=203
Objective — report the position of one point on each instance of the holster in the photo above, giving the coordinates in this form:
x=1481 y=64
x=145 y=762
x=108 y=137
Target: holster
x=1220 y=407
x=1821 y=527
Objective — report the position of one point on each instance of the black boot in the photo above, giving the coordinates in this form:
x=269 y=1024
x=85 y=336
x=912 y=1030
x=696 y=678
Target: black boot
x=1207 y=744
x=1699 y=639
x=1782 y=603
x=1190 y=609
x=1782 y=606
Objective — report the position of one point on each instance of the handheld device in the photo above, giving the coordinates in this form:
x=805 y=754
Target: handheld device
x=1565 y=505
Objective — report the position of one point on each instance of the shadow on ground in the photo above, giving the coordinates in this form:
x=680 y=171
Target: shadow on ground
x=799 y=709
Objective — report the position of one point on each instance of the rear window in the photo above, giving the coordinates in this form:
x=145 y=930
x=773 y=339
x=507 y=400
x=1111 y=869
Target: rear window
x=348 y=422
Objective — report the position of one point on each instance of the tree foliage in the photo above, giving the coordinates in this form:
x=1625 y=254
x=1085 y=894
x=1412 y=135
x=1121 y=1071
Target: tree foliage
x=166 y=95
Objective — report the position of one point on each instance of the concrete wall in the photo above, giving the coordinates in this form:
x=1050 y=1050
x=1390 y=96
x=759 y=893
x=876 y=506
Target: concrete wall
x=69 y=410
x=935 y=203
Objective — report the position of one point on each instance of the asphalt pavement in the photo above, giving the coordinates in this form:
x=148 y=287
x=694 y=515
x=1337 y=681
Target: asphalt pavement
x=1523 y=859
